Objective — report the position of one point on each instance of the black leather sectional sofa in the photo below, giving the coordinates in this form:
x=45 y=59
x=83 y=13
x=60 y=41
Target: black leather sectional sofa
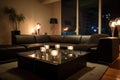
x=90 y=43
x=81 y=42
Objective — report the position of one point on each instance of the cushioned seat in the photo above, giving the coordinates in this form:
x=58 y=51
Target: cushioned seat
x=34 y=46
x=85 y=47
x=13 y=48
x=8 y=52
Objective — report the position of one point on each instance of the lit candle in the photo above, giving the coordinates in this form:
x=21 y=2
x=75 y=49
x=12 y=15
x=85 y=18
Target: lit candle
x=46 y=46
x=47 y=57
x=54 y=53
x=57 y=46
x=33 y=31
x=70 y=47
x=33 y=55
x=43 y=57
x=70 y=55
x=43 y=49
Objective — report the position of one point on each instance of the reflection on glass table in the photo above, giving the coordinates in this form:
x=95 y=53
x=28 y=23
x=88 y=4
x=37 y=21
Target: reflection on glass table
x=55 y=57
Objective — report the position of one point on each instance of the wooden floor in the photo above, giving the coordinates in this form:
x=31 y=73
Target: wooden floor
x=113 y=72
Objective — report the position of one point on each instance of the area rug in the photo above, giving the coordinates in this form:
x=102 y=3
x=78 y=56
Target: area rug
x=93 y=71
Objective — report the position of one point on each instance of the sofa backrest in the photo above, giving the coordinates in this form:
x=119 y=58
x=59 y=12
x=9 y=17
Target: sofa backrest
x=94 y=39
x=56 y=38
x=85 y=38
x=65 y=39
x=24 y=39
x=72 y=39
x=42 y=38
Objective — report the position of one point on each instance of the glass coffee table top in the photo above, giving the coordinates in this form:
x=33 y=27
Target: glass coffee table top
x=62 y=57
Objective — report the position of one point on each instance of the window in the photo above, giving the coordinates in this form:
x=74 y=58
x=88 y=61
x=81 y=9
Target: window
x=88 y=16
x=68 y=17
x=110 y=10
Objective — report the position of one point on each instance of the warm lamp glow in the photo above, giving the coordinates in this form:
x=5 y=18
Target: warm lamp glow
x=70 y=47
x=43 y=49
x=117 y=20
x=33 y=55
x=54 y=53
x=38 y=26
x=118 y=25
x=65 y=29
x=57 y=46
x=46 y=46
x=33 y=31
x=112 y=23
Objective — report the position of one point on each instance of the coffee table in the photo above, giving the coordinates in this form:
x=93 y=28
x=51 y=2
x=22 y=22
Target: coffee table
x=52 y=68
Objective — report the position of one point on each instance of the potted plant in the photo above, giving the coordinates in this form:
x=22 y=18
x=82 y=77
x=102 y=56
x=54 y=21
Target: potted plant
x=14 y=18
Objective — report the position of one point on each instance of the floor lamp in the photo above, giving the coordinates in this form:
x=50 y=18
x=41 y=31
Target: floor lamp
x=53 y=21
x=112 y=25
x=117 y=20
x=38 y=26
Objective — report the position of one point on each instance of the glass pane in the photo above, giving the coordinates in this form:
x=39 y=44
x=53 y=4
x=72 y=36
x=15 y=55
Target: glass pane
x=88 y=17
x=110 y=10
x=68 y=17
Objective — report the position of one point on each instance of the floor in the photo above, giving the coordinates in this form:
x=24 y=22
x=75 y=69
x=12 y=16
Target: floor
x=113 y=72
x=92 y=71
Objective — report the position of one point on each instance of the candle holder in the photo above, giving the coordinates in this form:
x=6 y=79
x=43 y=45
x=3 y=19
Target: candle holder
x=70 y=51
x=47 y=48
x=57 y=47
x=43 y=52
x=43 y=49
x=54 y=54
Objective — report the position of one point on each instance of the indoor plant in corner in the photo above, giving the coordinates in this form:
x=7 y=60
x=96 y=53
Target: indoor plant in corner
x=14 y=18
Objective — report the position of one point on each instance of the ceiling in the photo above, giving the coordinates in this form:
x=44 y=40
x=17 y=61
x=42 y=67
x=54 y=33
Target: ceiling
x=48 y=1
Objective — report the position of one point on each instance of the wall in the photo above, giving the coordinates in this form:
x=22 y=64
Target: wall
x=56 y=9
x=33 y=11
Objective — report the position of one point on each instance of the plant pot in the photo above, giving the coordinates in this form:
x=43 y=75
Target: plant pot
x=13 y=34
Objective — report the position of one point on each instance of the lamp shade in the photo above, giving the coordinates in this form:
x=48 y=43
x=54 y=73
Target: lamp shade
x=53 y=20
x=112 y=23
x=117 y=21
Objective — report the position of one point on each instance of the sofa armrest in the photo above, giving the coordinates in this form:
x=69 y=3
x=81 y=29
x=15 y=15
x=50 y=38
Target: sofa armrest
x=24 y=39
x=85 y=47
x=108 y=49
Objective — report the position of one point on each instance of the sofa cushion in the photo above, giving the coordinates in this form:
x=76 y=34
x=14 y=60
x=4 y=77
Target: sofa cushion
x=11 y=48
x=56 y=38
x=94 y=39
x=9 y=52
x=42 y=38
x=33 y=46
x=85 y=38
x=71 y=39
x=85 y=47
x=24 y=39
